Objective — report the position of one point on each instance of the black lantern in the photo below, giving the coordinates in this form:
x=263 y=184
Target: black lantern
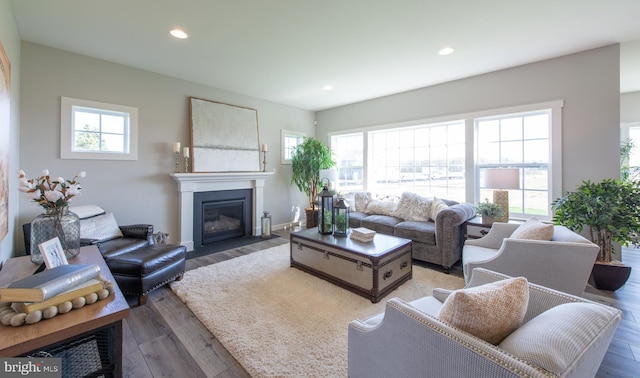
x=325 y=211
x=340 y=218
x=266 y=225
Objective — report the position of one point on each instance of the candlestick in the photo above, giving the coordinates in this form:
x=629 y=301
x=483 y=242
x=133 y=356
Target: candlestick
x=186 y=164
x=176 y=147
x=176 y=160
x=264 y=160
x=185 y=152
x=264 y=147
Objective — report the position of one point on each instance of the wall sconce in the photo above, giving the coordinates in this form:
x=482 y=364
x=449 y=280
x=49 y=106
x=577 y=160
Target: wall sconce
x=501 y=179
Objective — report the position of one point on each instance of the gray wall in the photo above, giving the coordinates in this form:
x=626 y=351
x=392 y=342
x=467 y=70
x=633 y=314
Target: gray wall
x=11 y=42
x=135 y=191
x=588 y=82
x=630 y=107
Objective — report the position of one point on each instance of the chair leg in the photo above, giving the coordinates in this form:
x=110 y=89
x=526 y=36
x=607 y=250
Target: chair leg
x=142 y=300
x=179 y=278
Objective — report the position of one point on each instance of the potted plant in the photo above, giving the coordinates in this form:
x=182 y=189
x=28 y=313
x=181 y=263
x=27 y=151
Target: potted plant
x=611 y=211
x=489 y=211
x=307 y=160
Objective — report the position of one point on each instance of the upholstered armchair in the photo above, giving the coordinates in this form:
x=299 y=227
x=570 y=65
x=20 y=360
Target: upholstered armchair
x=563 y=263
x=561 y=335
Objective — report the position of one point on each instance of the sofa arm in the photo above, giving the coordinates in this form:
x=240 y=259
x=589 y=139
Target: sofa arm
x=449 y=233
x=138 y=231
x=410 y=343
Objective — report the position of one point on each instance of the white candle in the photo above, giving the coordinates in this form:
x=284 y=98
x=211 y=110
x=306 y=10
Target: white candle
x=264 y=148
x=185 y=152
x=176 y=147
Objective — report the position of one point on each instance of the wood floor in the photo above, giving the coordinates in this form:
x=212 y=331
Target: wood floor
x=164 y=339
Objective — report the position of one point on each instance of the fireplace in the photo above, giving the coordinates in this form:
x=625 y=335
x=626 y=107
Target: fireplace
x=190 y=184
x=221 y=215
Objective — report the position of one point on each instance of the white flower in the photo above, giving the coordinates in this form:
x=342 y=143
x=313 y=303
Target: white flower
x=60 y=179
x=53 y=195
x=45 y=172
x=81 y=174
x=35 y=195
x=73 y=190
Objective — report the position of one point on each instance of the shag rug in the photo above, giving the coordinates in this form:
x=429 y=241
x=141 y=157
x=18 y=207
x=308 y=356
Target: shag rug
x=279 y=321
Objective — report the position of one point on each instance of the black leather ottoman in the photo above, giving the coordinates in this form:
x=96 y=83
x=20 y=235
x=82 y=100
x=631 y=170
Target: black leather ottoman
x=145 y=269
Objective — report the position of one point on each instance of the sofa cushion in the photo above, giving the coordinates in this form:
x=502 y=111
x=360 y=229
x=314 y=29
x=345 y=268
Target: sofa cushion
x=423 y=232
x=381 y=207
x=102 y=227
x=412 y=207
x=361 y=200
x=355 y=219
x=533 y=229
x=380 y=223
x=554 y=339
x=436 y=206
x=491 y=311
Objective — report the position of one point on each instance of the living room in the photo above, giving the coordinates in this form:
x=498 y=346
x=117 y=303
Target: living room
x=142 y=191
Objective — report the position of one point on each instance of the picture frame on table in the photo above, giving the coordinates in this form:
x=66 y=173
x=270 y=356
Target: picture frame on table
x=52 y=253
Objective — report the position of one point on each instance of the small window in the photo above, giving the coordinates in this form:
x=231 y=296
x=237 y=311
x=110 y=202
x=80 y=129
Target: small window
x=96 y=130
x=290 y=140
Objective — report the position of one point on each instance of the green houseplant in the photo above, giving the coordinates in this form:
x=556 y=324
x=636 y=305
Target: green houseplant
x=489 y=211
x=610 y=209
x=307 y=160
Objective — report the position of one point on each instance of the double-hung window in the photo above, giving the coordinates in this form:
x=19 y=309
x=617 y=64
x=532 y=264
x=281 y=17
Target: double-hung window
x=96 y=130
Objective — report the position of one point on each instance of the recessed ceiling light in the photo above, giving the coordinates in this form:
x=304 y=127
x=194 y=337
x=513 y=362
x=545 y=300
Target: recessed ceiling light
x=446 y=51
x=327 y=87
x=178 y=33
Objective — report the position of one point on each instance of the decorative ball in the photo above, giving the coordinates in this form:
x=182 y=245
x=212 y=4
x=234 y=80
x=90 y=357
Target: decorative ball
x=78 y=302
x=50 y=312
x=33 y=317
x=102 y=294
x=65 y=307
x=18 y=319
x=91 y=298
x=6 y=311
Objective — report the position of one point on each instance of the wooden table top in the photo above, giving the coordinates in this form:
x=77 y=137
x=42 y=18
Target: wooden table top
x=15 y=341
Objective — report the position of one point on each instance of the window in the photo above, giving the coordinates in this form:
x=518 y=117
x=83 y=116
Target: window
x=517 y=141
x=427 y=159
x=95 y=130
x=348 y=153
x=630 y=132
x=290 y=140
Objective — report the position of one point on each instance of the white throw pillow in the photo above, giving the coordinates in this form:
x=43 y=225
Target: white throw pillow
x=413 y=207
x=437 y=205
x=362 y=200
x=102 y=228
x=379 y=207
x=491 y=311
x=533 y=229
x=86 y=211
x=554 y=339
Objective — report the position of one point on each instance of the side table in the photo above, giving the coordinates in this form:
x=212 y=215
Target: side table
x=96 y=327
x=474 y=228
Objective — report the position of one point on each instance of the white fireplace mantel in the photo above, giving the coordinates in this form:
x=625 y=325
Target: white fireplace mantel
x=189 y=183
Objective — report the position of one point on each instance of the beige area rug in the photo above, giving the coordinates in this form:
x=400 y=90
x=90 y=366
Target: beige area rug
x=278 y=321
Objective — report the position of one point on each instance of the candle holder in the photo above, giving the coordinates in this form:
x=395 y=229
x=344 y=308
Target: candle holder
x=186 y=164
x=264 y=161
x=177 y=161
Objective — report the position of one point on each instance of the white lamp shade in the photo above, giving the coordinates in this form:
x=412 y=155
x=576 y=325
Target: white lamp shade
x=502 y=178
x=331 y=175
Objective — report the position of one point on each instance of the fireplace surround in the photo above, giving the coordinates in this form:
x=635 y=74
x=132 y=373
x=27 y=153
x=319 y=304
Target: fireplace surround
x=191 y=183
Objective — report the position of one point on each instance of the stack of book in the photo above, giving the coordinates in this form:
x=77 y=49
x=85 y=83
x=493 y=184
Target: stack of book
x=362 y=234
x=52 y=287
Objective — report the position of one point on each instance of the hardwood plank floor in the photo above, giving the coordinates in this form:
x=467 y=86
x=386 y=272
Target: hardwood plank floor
x=164 y=339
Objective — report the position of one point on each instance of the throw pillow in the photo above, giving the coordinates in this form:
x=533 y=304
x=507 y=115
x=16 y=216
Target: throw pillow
x=436 y=206
x=555 y=338
x=102 y=228
x=350 y=199
x=491 y=311
x=86 y=211
x=533 y=229
x=380 y=207
x=361 y=201
x=413 y=207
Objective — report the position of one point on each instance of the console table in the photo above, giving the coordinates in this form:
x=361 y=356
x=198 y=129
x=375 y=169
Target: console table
x=97 y=327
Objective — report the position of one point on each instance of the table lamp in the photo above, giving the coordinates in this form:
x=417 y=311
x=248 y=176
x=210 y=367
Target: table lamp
x=501 y=179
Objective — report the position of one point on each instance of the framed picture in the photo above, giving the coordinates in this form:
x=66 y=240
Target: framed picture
x=52 y=253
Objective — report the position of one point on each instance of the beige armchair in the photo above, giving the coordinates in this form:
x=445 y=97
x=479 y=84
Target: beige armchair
x=563 y=264
x=561 y=336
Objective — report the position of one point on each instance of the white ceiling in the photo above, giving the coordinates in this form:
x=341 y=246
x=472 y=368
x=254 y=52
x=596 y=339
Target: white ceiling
x=286 y=50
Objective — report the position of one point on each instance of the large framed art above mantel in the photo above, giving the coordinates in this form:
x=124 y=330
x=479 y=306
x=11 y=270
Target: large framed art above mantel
x=224 y=138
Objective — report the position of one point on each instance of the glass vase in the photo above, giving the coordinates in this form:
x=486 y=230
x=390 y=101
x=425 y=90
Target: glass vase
x=55 y=222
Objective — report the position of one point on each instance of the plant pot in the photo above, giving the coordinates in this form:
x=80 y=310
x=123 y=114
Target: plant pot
x=312 y=217
x=609 y=276
x=488 y=220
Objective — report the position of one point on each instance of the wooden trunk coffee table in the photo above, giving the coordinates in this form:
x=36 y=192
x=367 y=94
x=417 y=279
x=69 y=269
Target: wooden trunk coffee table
x=371 y=269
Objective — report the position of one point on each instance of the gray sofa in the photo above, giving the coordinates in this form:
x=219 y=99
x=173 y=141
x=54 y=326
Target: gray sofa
x=436 y=241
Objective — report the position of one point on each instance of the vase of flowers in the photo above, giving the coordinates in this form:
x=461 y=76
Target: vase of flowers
x=54 y=196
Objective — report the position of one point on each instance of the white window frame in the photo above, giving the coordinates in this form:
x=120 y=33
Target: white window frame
x=67 y=129
x=286 y=134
